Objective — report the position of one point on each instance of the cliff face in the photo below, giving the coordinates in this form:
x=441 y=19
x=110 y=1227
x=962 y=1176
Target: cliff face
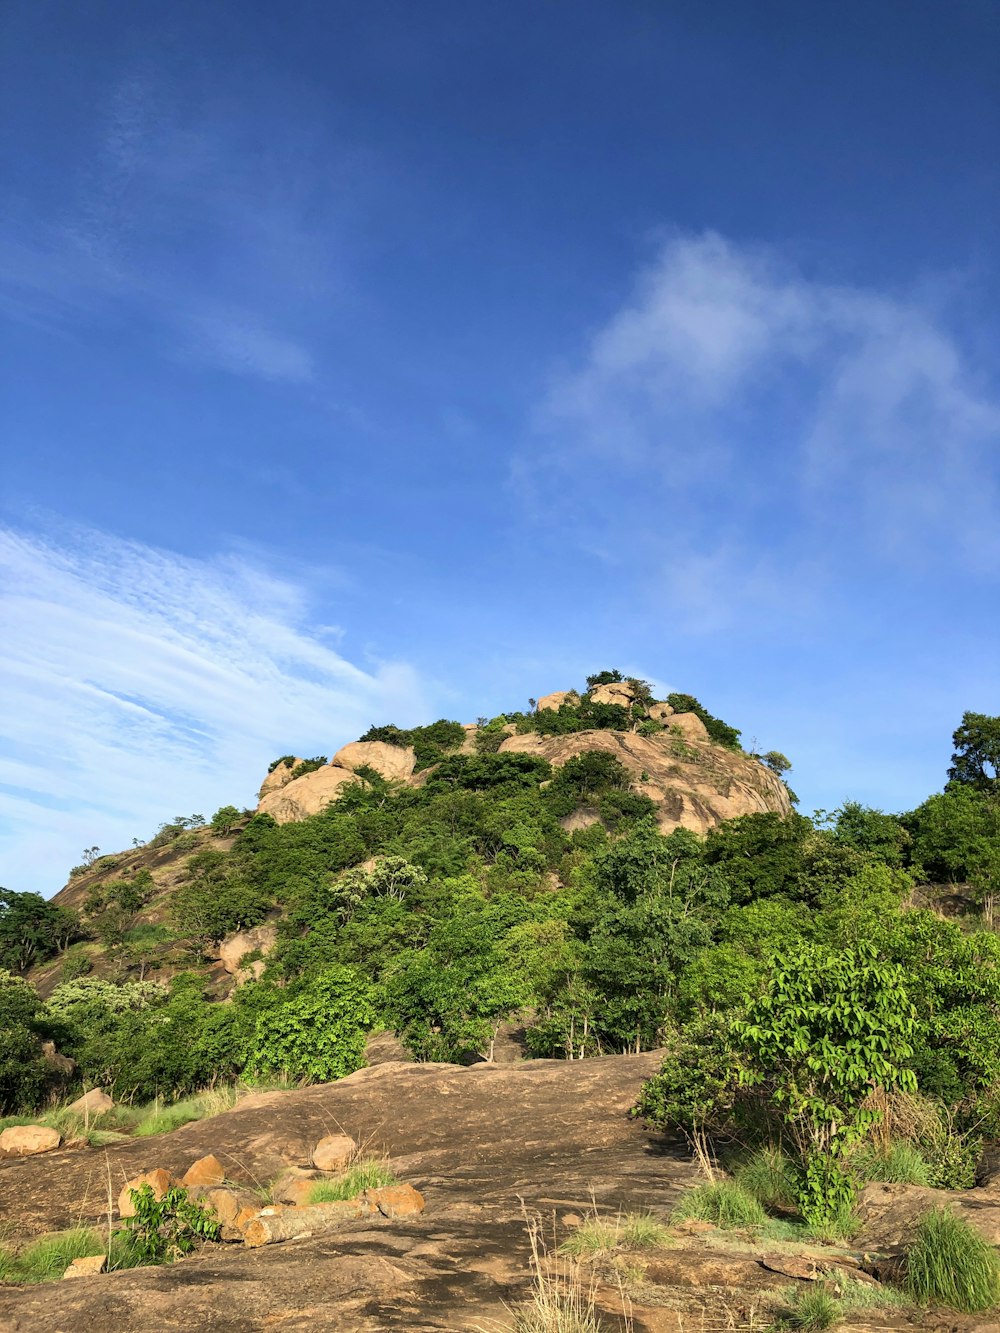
x=694 y=782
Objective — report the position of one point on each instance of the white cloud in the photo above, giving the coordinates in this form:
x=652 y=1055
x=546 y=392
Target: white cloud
x=852 y=416
x=138 y=684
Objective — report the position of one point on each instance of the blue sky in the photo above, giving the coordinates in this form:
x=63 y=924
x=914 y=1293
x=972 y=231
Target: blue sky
x=388 y=361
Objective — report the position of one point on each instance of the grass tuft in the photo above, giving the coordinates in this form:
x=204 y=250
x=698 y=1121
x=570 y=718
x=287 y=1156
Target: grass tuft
x=812 y=1309
x=159 y=1119
x=724 y=1202
x=950 y=1263
x=628 y=1231
x=369 y=1173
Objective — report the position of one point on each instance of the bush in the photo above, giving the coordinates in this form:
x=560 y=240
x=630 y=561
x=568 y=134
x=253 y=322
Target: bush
x=951 y=1264
x=164 y=1229
x=724 y=1202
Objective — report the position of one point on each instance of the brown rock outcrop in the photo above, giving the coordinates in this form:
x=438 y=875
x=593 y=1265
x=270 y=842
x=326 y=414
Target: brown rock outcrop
x=689 y=725
x=159 y=1182
x=619 y=692
x=279 y=777
x=555 y=700
x=90 y=1266
x=694 y=783
x=395 y=1201
x=206 y=1171
x=890 y=1214
x=235 y=947
x=94 y=1102
x=27 y=1140
x=393 y=762
x=305 y=796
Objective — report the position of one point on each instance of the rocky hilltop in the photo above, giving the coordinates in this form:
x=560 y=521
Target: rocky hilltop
x=694 y=782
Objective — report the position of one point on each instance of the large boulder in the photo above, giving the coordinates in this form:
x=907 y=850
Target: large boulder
x=393 y=762
x=27 y=1140
x=305 y=796
x=333 y=1152
x=890 y=1214
x=619 y=692
x=206 y=1171
x=94 y=1102
x=694 y=784
x=556 y=700
x=279 y=777
x=689 y=726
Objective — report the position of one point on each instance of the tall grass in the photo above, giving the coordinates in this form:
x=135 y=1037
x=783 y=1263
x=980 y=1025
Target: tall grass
x=950 y=1263
x=724 y=1202
x=159 y=1119
x=812 y=1309
x=898 y=1163
x=48 y=1257
x=368 y=1173
x=769 y=1176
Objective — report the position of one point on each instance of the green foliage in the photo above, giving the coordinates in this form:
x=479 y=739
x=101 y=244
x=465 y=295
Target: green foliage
x=216 y=899
x=901 y=1163
x=776 y=762
x=976 y=760
x=430 y=743
x=163 y=1230
x=314 y=1029
x=814 y=1308
x=47 y=1258
x=724 y=1202
x=950 y=1263
x=225 y=819
x=604 y=678
x=32 y=929
x=832 y=1025
x=25 y=1077
x=770 y=1176
x=288 y=759
x=627 y=1231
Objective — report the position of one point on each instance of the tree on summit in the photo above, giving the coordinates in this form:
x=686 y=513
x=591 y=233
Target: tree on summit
x=976 y=761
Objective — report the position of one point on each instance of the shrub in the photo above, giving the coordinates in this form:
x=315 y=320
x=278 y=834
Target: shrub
x=724 y=1202
x=164 y=1229
x=770 y=1177
x=950 y=1263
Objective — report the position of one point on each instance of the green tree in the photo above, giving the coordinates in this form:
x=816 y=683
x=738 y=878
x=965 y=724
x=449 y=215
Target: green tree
x=833 y=1026
x=976 y=760
x=314 y=1029
x=32 y=929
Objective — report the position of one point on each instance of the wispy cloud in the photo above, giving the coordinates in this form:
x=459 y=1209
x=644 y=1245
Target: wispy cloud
x=139 y=684
x=741 y=405
x=180 y=222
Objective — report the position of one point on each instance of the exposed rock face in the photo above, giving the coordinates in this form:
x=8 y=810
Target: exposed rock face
x=333 y=1152
x=278 y=777
x=235 y=947
x=394 y=762
x=890 y=1214
x=305 y=796
x=695 y=784
x=557 y=699
x=620 y=693
x=206 y=1171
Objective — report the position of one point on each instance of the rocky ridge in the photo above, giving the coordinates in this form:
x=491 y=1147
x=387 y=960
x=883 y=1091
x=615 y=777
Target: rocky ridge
x=694 y=783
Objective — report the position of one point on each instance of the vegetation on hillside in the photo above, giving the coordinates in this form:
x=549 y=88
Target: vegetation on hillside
x=799 y=994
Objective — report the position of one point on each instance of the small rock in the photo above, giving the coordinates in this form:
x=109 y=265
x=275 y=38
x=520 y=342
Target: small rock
x=292 y=1185
x=159 y=1181
x=791 y=1265
x=94 y=1102
x=26 y=1140
x=396 y=1200
x=225 y=1204
x=206 y=1171
x=90 y=1266
x=333 y=1152
x=571 y=1220
x=695 y=1226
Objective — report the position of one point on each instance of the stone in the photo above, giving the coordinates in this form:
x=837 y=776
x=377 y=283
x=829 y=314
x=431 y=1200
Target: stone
x=225 y=1204
x=619 y=692
x=234 y=948
x=55 y=1060
x=206 y=1171
x=395 y=1201
x=277 y=778
x=293 y=1186
x=889 y=1214
x=90 y=1266
x=688 y=725
x=393 y=762
x=305 y=796
x=158 y=1180
x=660 y=712
x=557 y=699
x=94 y=1102
x=333 y=1152
x=28 y=1140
